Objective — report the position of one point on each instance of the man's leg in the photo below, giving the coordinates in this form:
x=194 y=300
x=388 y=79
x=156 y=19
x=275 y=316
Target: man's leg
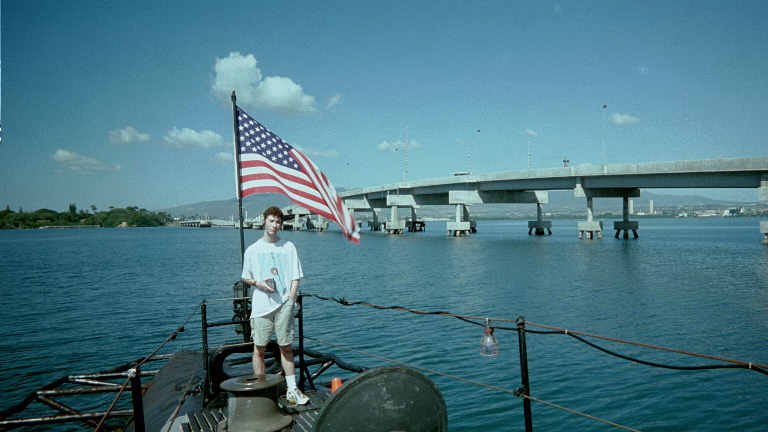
x=261 y=329
x=286 y=354
x=284 y=332
x=258 y=360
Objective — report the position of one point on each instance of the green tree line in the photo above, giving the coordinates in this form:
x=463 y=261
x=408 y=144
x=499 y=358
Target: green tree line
x=132 y=216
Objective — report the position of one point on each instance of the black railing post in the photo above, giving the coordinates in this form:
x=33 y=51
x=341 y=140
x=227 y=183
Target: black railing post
x=204 y=318
x=246 y=325
x=526 y=389
x=136 y=397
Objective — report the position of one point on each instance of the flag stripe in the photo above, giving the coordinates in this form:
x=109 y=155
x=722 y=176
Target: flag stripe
x=261 y=166
x=244 y=165
x=271 y=180
x=310 y=190
x=274 y=189
x=336 y=206
x=320 y=188
x=246 y=173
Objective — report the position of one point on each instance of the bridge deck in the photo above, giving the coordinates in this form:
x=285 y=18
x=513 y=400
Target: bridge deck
x=714 y=173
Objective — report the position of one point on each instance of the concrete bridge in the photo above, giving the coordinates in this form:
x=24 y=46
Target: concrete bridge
x=297 y=218
x=206 y=223
x=589 y=181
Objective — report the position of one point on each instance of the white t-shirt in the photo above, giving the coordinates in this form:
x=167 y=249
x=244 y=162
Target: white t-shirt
x=278 y=261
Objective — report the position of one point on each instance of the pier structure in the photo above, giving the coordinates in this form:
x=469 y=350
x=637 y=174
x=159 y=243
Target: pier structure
x=590 y=229
x=588 y=180
x=463 y=225
x=297 y=218
x=394 y=225
x=539 y=225
x=374 y=224
x=394 y=201
x=207 y=223
x=365 y=205
x=625 y=224
x=415 y=225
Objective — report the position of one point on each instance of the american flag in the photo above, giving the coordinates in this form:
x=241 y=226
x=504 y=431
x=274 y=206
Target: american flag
x=269 y=164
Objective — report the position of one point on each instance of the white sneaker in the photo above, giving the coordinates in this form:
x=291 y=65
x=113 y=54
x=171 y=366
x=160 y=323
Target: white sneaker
x=296 y=397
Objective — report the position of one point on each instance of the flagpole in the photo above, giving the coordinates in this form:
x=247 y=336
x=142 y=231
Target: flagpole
x=237 y=174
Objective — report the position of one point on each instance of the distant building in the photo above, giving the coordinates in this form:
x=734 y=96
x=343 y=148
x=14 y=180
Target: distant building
x=650 y=207
x=706 y=213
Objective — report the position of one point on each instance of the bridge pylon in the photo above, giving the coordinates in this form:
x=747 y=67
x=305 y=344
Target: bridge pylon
x=539 y=224
x=625 y=224
x=463 y=225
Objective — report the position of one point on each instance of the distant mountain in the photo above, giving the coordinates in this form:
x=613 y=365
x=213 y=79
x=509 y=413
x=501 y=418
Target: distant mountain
x=562 y=200
x=253 y=205
x=559 y=202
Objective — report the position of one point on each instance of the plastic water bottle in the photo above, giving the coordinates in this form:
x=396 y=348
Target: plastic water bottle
x=489 y=346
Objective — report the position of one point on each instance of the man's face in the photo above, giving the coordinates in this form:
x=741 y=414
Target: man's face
x=272 y=224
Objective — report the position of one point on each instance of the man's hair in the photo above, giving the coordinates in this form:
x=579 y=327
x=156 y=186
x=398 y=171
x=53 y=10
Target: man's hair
x=273 y=211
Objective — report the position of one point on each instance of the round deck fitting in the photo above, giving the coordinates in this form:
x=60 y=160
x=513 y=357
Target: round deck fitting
x=385 y=399
x=252 y=404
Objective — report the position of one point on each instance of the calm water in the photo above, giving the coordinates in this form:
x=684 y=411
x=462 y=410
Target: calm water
x=84 y=300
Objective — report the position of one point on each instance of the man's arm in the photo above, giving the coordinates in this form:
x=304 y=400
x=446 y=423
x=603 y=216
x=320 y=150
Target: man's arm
x=294 y=289
x=262 y=285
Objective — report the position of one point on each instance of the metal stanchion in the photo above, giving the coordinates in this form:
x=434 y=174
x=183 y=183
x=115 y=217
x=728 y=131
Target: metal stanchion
x=136 y=397
x=526 y=387
x=204 y=319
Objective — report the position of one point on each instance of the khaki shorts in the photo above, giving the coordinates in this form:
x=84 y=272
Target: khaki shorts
x=280 y=321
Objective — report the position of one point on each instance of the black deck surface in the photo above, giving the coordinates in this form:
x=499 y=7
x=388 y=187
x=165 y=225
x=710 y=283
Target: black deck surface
x=184 y=371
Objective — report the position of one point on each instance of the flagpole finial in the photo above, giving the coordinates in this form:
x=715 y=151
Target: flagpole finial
x=234 y=98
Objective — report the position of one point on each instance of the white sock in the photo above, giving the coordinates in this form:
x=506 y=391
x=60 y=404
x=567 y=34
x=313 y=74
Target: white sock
x=290 y=380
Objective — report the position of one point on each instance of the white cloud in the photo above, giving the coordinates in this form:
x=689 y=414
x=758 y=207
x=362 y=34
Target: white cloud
x=398 y=145
x=82 y=164
x=183 y=138
x=333 y=101
x=127 y=135
x=224 y=157
x=623 y=119
x=331 y=153
x=242 y=74
x=531 y=132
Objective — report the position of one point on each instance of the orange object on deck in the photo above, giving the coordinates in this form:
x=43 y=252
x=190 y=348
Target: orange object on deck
x=335 y=384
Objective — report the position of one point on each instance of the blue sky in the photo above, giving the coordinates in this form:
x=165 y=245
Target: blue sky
x=125 y=103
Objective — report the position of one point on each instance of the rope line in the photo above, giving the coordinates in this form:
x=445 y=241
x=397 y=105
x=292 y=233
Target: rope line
x=473 y=382
x=757 y=367
x=344 y=302
x=660 y=365
x=135 y=369
x=746 y=365
x=170 y=337
x=573 y=411
x=112 y=405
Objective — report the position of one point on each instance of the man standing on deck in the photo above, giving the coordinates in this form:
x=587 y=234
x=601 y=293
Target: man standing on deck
x=272 y=267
